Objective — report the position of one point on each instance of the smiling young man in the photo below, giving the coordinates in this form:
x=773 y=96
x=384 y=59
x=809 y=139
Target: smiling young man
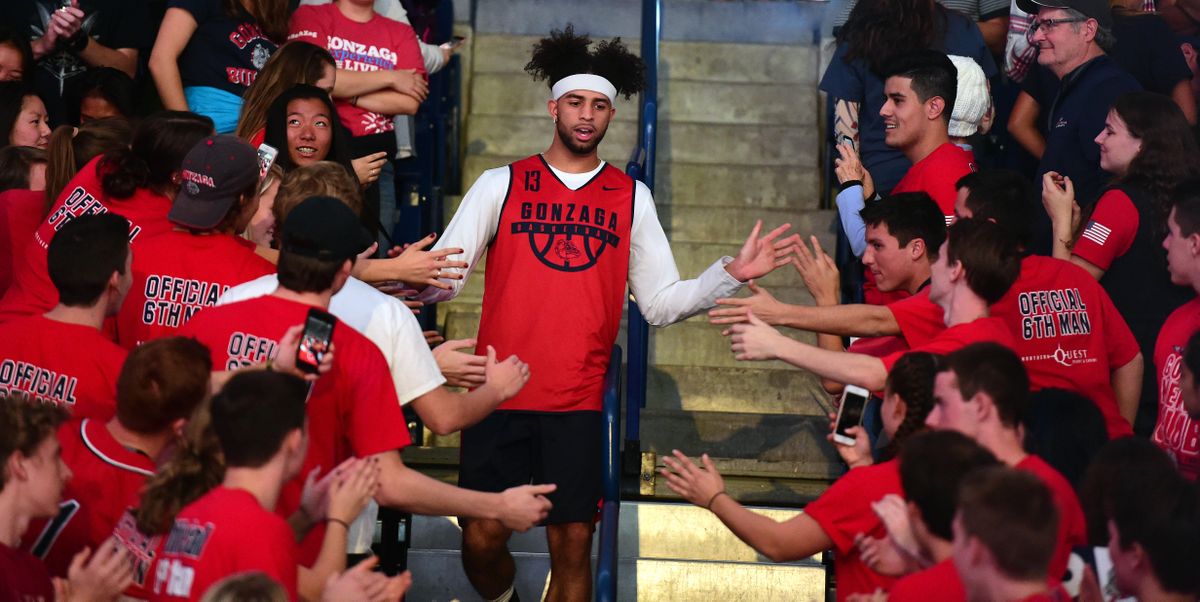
x=1072 y=36
x=564 y=233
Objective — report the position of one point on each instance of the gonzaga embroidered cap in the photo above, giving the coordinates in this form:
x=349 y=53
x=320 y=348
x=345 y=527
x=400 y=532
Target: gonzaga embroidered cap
x=214 y=173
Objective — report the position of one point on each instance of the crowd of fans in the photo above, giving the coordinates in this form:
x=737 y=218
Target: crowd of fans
x=1025 y=211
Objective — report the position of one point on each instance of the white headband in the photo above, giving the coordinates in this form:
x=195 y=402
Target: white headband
x=583 y=81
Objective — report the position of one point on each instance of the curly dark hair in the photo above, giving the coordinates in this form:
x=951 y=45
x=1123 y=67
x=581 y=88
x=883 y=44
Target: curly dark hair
x=566 y=53
x=912 y=380
x=881 y=30
x=1169 y=153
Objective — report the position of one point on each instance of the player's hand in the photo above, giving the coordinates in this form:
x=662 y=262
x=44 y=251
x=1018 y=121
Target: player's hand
x=696 y=485
x=507 y=377
x=753 y=340
x=353 y=488
x=882 y=556
x=100 y=576
x=1058 y=197
x=525 y=506
x=285 y=357
x=420 y=268
x=761 y=302
x=361 y=582
x=411 y=83
x=759 y=256
x=368 y=167
x=855 y=455
x=461 y=369
x=819 y=272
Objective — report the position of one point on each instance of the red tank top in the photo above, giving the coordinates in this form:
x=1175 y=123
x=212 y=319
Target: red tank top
x=555 y=283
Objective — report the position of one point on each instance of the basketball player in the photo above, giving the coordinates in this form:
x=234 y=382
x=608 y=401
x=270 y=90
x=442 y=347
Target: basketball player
x=564 y=232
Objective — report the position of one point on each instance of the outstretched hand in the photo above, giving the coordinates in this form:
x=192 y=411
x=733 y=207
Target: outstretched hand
x=760 y=256
x=819 y=272
x=735 y=310
x=461 y=369
x=420 y=268
x=524 y=506
x=696 y=485
x=754 y=339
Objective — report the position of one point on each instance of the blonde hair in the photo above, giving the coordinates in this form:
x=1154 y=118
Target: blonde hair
x=323 y=178
x=253 y=586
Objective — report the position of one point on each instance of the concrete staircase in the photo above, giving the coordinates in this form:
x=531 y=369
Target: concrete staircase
x=738 y=141
x=668 y=553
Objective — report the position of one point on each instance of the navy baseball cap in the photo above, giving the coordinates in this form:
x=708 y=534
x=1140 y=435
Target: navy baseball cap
x=1095 y=9
x=214 y=173
x=324 y=228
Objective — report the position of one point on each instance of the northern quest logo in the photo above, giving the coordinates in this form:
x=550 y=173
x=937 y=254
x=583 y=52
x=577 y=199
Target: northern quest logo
x=568 y=237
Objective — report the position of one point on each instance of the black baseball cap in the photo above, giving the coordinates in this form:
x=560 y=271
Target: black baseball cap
x=324 y=228
x=214 y=173
x=1095 y=9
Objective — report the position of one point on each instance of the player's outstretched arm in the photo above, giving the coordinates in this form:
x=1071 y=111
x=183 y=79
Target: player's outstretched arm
x=518 y=508
x=794 y=539
x=760 y=256
x=445 y=412
x=757 y=340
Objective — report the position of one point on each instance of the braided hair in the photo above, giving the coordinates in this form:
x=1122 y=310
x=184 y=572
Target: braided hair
x=911 y=379
x=565 y=53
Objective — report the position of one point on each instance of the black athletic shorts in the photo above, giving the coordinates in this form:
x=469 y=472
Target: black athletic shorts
x=517 y=447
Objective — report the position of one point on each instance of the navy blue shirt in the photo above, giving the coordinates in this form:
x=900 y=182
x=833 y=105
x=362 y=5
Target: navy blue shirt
x=853 y=81
x=1149 y=51
x=225 y=52
x=1072 y=119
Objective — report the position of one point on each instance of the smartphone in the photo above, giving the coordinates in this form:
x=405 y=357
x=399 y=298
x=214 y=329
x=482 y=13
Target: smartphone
x=314 y=342
x=850 y=413
x=844 y=139
x=1102 y=565
x=266 y=158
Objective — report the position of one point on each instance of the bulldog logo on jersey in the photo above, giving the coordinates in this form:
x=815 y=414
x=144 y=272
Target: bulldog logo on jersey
x=568 y=237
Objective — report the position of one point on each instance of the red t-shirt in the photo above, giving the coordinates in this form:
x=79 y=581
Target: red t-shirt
x=380 y=44
x=71 y=365
x=20 y=213
x=1175 y=432
x=107 y=478
x=989 y=329
x=352 y=409
x=937 y=174
x=1072 y=527
x=32 y=292
x=844 y=511
x=144 y=551
x=938 y=583
x=223 y=533
x=23 y=578
x=1111 y=230
x=1065 y=327
x=176 y=274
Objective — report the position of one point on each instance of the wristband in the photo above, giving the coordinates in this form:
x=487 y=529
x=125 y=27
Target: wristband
x=849 y=183
x=712 y=499
x=338 y=521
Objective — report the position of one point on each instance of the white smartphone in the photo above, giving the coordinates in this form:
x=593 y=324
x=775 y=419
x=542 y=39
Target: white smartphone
x=850 y=413
x=266 y=158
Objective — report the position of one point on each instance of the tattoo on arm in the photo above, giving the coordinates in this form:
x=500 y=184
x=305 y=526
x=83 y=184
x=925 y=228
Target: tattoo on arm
x=845 y=119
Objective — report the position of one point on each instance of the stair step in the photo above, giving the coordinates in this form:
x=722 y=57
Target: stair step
x=780 y=145
x=700 y=184
x=694 y=342
x=516 y=93
x=758 y=63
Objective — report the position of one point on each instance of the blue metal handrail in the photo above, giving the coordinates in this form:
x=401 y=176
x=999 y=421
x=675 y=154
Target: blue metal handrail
x=610 y=510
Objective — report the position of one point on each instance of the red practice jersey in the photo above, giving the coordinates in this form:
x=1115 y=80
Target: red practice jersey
x=844 y=511
x=223 y=533
x=556 y=271
x=1066 y=330
x=31 y=291
x=176 y=274
x=1175 y=432
x=352 y=409
x=107 y=478
x=70 y=365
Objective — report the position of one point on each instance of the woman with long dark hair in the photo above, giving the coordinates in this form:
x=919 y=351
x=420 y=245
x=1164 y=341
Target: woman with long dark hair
x=294 y=63
x=208 y=52
x=1147 y=144
x=875 y=33
x=137 y=182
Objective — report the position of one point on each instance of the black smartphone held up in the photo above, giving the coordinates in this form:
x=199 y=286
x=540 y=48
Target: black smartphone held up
x=314 y=342
x=850 y=413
